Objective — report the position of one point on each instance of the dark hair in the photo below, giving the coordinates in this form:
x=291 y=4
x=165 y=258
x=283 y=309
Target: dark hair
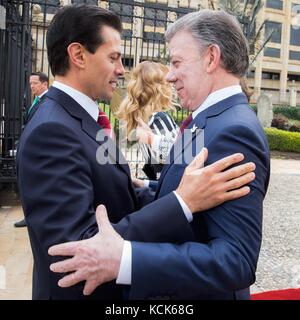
x=79 y=23
x=42 y=76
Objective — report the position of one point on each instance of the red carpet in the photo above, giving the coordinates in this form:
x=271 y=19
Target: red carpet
x=287 y=294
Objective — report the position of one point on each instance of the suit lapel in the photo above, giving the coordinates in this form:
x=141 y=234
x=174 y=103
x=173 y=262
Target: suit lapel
x=199 y=122
x=89 y=126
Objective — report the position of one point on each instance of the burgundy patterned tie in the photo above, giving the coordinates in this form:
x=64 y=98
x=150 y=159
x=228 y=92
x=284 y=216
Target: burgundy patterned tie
x=185 y=123
x=103 y=120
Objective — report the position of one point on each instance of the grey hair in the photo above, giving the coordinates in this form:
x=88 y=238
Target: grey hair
x=219 y=28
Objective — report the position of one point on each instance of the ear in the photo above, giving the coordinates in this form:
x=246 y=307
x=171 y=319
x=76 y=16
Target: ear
x=214 y=58
x=76 y=54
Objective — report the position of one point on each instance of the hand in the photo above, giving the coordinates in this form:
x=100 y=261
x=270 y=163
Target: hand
x=138 y=183
x=203 y=188
x=144 y=133
x=96 y=260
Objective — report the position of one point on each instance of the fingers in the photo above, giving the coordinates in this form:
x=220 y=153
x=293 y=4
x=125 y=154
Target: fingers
x=235 y=194
x=70 y=280
x=143 y=124
x=239 y=182
x=64 y=266
x=238 y=171
x=89 y=287
x=102 y=219
x=224 y=163
x=199 y=160
x=64 y=249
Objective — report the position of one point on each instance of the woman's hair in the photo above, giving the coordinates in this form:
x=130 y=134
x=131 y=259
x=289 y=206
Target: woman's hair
x=147 y=92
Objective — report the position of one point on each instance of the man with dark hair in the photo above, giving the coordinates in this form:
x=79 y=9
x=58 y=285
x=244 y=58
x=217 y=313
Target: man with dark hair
x=209 y=55
x=39 y=86
x=61 y=178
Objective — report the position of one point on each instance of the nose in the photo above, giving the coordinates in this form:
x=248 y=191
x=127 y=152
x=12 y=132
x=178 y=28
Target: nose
x=171 y=76
x=120 y=69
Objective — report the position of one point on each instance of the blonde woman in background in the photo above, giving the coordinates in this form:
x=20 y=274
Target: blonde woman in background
x=148 y=98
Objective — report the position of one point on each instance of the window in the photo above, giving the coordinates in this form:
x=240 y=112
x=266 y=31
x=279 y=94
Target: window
x=295 y=36
x=181 y=11
x=155 y=22
x=272 y=52
x=270 y=75
x=295 y=77
x=94 y=2
x=127 y=62
x=294 y=55
x=154 y=36
x=155 y=17
x=51 y=6
x=275 y=29
x=251 y=74
x=126 y=34
x=123 y=10
x=275 y=4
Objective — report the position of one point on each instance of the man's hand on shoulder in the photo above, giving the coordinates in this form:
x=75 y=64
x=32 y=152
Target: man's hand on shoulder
x=95 y=260
x=203 y=188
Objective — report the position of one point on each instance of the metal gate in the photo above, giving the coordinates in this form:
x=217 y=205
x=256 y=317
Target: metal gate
x=23 y=27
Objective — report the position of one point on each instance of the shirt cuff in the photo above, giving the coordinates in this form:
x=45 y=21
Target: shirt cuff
x=186 y=210
x=156 y=143
x=124 y=276
x=146 y=183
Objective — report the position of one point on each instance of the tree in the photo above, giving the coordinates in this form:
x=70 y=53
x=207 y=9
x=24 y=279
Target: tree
x=246 y=12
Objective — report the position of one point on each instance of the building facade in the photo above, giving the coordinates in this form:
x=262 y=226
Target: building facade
x=276 y=70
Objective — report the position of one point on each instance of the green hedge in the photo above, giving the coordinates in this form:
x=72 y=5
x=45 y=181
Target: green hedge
x=281 y=140
x=289 y=112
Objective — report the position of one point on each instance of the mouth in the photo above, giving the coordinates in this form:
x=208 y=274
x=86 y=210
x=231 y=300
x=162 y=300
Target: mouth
x=113 y=83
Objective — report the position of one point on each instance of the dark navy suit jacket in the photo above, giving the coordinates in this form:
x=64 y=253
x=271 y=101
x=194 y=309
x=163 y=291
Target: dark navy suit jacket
x=222 y=264
x=61 y=183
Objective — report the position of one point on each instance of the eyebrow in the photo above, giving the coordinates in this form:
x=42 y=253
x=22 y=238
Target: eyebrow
x=117 y=53
x=176 y=56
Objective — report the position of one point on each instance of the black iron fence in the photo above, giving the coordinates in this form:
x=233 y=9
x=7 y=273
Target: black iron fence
x=23 y=28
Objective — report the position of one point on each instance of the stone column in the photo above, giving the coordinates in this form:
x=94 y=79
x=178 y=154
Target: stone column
x=265 y=110
x=293 y=94
x=285 y=42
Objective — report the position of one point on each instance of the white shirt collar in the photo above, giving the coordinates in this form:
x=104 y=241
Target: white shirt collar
x=43 y=94
x=90 y=106
x=216 y=97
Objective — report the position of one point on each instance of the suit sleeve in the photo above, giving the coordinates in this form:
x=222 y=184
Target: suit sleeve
x=59 y=193
x=227 y=261
x=56 y=184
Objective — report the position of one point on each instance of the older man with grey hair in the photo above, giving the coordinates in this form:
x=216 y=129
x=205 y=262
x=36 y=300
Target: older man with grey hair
x=209 y=55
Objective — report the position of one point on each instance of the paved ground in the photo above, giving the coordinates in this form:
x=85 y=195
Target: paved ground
x=279 y=262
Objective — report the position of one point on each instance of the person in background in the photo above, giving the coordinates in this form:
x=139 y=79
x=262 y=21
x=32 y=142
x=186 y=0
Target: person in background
x=149 y=97
x=39 y=86
x=39 y=83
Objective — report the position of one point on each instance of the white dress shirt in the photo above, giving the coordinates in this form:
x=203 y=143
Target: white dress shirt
x=89 y=105
x=124 y=276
